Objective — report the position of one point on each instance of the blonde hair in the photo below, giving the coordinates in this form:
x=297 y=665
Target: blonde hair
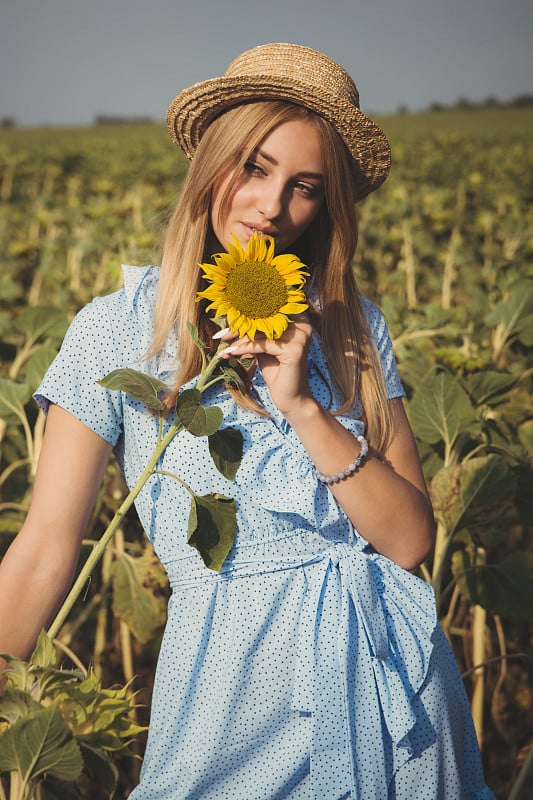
x=327 y=247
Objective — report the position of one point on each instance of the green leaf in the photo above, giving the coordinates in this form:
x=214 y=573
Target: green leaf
x=512 y=317
x=511 y=312
x=139 y=593
x=52 y=789
x=476 y=495
x=505 y=588
x=225 y=446
x=16 y=704
x=44 y=654
x=13 y=397
x=441 y=410
x=231 y=375
x=467 y=575
x=51 y=681
x=37 y=321
x=193 y=333
x=524 y=330
x=39 y=363
x=5 y=321
x=525 y=434
x=17 y=671
x=488 y=384
x=101 y=766
x=197 y=419
x=212 y=526
x=415 y=366
x=142 y=387
x=41 y=744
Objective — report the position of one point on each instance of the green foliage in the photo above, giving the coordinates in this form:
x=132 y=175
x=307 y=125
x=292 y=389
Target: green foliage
x=441 y=410
x=212 y=527
x=196 y=418
x=225 y=446
x=13 y=397
x=39 y=745
x=56 y=723
x=139 y=385
x=505 y=587
x=139 y=593
x=474 y=495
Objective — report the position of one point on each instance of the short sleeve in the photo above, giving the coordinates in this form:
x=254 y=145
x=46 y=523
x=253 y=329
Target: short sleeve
x=379 y=329
x=86 y=355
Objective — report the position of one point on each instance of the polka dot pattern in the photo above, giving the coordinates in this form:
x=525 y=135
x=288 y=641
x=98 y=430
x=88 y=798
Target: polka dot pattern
x=310 y=668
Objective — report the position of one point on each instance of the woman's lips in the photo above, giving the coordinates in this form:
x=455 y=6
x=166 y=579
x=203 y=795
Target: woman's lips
x=250 y=229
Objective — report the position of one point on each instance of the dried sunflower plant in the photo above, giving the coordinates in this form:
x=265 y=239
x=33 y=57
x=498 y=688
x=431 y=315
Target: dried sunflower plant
x=51 y=720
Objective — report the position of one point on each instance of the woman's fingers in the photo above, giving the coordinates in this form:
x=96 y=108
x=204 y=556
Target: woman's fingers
x=298 y=333
x=221 y=333
x=245 y=345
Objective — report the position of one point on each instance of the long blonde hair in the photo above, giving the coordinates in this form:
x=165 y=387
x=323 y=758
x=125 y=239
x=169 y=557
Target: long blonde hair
x=327 y=247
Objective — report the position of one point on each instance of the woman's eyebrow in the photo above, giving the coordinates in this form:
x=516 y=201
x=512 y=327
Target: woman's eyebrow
x=275 y=163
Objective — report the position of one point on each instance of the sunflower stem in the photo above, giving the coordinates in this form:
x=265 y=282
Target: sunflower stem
x=99 y=548
x=207 y=371
x=176 y=478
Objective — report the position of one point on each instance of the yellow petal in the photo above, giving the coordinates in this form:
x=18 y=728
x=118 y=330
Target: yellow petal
x=279 y=324
x=236 y=250
x=270 y=253
x=293 y=308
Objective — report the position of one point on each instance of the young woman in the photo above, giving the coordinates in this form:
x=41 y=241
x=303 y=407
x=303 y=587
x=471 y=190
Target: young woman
x=312 y=665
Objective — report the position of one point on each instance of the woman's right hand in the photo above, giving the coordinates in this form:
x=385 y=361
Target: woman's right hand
x=283 y=363
x=37 y=570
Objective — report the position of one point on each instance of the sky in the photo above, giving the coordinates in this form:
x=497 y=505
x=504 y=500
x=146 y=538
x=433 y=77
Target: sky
x=63 y=62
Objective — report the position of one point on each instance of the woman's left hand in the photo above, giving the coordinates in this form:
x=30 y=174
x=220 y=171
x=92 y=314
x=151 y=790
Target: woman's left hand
x=283 y=363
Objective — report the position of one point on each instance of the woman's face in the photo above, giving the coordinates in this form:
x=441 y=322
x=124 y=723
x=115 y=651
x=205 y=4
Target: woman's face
x=280 y=191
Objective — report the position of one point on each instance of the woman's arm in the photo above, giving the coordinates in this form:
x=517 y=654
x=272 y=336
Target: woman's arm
x=386 y=499
x=39 y=566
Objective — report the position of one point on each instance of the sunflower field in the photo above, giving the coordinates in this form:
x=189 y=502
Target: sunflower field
x=446 y=250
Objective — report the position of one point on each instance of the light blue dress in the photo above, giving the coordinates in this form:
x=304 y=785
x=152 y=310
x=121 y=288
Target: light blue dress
x=311 y=667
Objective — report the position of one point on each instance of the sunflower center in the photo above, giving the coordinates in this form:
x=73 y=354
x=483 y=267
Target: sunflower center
x=256 y=289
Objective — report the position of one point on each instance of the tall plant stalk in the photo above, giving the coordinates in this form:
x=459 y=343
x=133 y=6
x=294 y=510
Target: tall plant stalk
x=479 y=648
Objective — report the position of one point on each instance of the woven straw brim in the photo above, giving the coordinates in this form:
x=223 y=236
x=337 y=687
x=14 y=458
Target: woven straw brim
x=195 y=108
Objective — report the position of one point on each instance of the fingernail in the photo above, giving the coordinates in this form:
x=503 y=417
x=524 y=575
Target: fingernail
x=221 y=333
x=230 y=349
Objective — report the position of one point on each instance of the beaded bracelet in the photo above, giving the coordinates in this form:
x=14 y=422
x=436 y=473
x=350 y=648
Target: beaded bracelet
x=351 y=468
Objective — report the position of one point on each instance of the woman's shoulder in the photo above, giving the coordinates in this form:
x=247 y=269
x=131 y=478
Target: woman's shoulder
x=379 y=329
x=376 y=321
x=136 y=296
x=133 y=303
x=372 y=312
x=140 y=286
x=122 y=321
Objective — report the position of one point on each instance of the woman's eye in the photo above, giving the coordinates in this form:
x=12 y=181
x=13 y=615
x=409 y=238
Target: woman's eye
x=308 y=189
x=252 y=168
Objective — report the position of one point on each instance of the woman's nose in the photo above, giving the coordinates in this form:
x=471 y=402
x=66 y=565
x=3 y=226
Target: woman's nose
x=271 y=200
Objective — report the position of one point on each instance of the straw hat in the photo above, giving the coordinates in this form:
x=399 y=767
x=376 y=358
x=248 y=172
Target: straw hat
x=297 y=74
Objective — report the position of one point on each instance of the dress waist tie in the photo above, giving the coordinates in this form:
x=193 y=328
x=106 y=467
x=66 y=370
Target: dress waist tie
x=352 y=690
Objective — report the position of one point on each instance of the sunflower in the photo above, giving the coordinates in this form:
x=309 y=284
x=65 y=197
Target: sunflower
x=254 y=289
